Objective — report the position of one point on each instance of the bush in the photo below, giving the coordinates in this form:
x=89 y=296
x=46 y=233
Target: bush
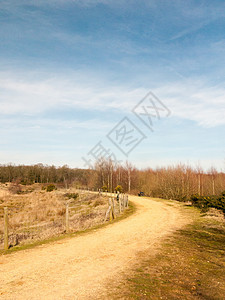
x=72 y=195
x=119 y=189
x=98 y=202
x=50 y=188
x=26 y=182
x=15 y=188
x=104 y=188
x=205 y=202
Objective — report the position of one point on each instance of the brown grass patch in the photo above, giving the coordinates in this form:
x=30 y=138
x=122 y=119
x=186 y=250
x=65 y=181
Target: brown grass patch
x=40 y=215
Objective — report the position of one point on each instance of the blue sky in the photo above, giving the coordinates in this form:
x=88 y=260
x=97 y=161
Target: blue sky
x=72 y=70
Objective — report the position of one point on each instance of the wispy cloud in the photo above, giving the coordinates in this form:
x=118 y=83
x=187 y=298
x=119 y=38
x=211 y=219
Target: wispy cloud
x=188 y=99
x=32 y=96
x=189 y=30
x=195 y=101
x=74 y=68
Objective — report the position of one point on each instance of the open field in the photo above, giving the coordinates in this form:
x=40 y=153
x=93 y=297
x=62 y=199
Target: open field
x=37 y=215
x=165 y=250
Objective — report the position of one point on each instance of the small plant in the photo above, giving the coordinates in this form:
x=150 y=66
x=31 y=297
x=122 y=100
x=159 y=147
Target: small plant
x=26 y=182
x=72 y=195
x=50 y=188
x=98 y=202
x=61 y=212
x=104 y=188
x=15 y=188
x=119 y=189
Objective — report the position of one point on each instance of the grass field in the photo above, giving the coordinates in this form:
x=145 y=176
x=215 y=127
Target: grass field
x=189 y=265
x=36 y=214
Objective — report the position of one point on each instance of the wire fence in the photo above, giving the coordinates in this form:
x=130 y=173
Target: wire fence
x=20 y=226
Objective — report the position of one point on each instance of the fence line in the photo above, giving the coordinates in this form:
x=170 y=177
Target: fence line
x=75 y=214
x=117 y=204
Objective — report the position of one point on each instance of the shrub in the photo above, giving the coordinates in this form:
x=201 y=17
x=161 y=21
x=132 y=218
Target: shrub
x=15 y=188
x=119 y=189
x=104 y=188
x=72 y=195
x=205 y=202
x=61 y=212
x=26 y=182
x=98 y=202
x=50 y=188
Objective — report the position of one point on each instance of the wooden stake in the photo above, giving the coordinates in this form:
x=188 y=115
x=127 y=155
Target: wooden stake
x=113 y=208
x=6 y=229
x=110 y=212
x=67 y=218
x=127 y=201
x=107 y=213
x=120 y=203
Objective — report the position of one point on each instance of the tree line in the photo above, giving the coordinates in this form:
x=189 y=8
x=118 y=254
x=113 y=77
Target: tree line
x=40 y=173
x=178 y=182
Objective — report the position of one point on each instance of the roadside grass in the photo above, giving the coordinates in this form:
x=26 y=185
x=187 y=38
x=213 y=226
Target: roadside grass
x=189 y=265
x=41 y=215
x=128 y=212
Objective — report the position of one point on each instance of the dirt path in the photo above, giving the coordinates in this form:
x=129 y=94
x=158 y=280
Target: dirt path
x=83 y=266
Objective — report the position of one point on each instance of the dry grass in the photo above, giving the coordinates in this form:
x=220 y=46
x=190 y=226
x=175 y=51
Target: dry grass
x=36 y=214
x=190 y=265
x=215 y=214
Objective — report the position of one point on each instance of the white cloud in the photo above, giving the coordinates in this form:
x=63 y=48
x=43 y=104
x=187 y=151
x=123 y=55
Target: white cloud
x=22 y=94
x=194 y=101
x=187 y=99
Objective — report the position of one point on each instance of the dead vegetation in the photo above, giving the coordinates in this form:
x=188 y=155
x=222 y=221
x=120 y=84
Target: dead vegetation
x=35 y=214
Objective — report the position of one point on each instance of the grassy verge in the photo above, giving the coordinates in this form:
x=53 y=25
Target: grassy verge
x=128 y=212
x=190 y=265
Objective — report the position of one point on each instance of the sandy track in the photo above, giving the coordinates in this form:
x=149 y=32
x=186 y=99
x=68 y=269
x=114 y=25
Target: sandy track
x=83 y=266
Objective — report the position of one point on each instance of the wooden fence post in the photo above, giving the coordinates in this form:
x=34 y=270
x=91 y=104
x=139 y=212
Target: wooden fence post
x=67 y=218
x=127 y=201
x=107 y=213
x=120 y=203
x=110 y=212
x=113 y=208
x=6 y=229
x=124 y=202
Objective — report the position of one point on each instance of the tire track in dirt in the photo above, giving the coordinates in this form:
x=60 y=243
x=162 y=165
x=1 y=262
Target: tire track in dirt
x=82 y=267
